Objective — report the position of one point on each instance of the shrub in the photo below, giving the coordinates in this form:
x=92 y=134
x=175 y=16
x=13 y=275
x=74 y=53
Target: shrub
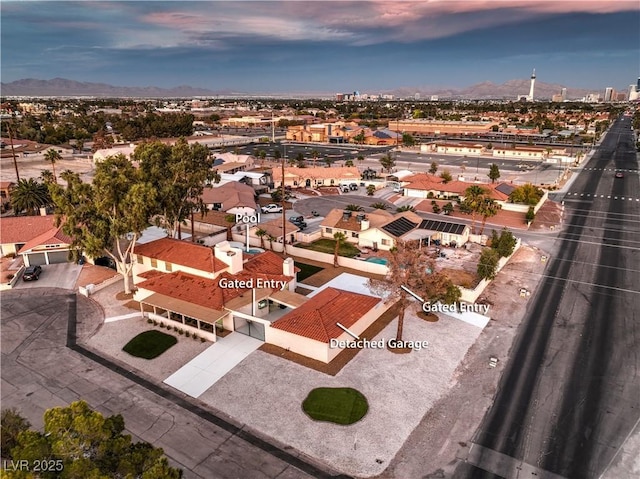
x=436 y=209
x=504 y=244
x=161 y=324
x=175 y=328
x=202 y=340
x=169 y=326
x=149 y=321
x=187 y=334
x=10 y=277
x=430 y=195
x=488 y=264
x=530 y=215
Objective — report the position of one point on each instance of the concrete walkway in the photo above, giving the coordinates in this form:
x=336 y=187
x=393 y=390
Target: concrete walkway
x=203 y=371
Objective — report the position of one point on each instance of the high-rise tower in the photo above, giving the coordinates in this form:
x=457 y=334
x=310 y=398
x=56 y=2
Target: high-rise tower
x=533 y=82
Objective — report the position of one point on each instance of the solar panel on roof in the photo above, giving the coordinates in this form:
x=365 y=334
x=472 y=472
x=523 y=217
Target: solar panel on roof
x=442 y=227
x=399 y=227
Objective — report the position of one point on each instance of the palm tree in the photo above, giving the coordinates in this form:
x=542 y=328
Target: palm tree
x=230 y=220
x=380 y=205
x=261 y=233
x=353 y=207
x=339 y=239
x=271 y=239
x=473 y=197
x=405 y=208
x=47 y=177
x=29 y=195
x=487 y=208
x=53 y=156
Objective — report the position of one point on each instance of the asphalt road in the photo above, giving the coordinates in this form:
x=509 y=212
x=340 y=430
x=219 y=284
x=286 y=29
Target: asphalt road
x=43 y=367
x=570 y=395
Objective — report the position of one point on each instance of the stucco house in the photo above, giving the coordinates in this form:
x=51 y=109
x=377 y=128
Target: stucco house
x=313 y=177
x=351 y=223
x=206 y=290
x=36 y=238
x=232 y=197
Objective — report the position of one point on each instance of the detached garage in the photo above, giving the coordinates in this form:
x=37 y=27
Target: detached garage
x=51 y=247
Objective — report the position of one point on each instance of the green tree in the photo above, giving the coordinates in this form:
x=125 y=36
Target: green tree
x=108 y=216
x=494 y=173
x=408 y=265
x=448 y=208
x=473 y=198
x=446 y=176
x=359 y=138
x=527 y=194
x=380 y=205
x=339 y=239
x=88 y=445
x=504 y=243
x=488 y=263
x=487 y=208
x=531 y=214
x=408 y=140
x=52 y=156
x=371 y=189
x=433 y=169
x=277 y=155
x=314 y=154
x=11 y=425
x=360 y=158
x=348 y=162
x=388 y=162
x=29 y=196
x=353 y=207
x=261 y=233
x=179 y=174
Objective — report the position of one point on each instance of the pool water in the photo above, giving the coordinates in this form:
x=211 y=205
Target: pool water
x=376 y=260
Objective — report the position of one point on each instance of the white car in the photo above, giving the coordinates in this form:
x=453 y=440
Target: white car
x=272 y=208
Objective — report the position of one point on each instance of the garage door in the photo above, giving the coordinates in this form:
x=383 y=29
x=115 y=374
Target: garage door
x=36 y=258
x=56 y=257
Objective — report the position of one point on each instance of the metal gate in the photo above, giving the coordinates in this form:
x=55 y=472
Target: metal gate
x=248 y=327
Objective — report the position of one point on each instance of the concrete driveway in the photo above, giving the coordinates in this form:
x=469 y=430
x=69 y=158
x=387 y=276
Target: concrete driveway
x=62 y=275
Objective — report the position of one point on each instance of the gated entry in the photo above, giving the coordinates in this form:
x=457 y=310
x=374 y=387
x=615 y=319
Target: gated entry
x=248 y=327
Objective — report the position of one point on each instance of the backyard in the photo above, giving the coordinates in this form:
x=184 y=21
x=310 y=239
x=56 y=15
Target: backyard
x=326 y=245
x=307 y=270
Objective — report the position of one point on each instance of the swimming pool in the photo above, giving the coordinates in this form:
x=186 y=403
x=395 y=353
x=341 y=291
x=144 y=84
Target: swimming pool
x=376 y=260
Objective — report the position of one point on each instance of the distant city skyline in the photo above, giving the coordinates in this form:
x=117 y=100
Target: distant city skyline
x=324 y=46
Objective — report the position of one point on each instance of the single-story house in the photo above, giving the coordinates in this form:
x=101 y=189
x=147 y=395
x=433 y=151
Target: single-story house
x=51 y=247
x=313 y=177
x=351 y=223
x=17 y=231
x=232 y=197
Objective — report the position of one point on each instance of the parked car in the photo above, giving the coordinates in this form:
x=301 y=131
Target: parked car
x=298 y=221
x=344 y=188
x=353 y=186
x=272 y=208
x=32 y=273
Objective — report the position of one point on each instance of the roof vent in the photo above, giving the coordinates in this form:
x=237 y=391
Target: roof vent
x=360 y=218
x=346 y=215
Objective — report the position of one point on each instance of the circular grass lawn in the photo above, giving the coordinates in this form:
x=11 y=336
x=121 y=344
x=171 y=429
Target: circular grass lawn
x=339 y=405
x=150 y=344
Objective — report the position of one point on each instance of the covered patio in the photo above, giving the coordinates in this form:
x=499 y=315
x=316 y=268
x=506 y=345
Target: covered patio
x=194 y=318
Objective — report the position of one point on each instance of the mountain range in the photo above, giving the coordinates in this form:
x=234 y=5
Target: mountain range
x=62 y=87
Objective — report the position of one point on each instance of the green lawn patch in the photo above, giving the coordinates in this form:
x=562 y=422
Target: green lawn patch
x=339 y=405
x=306 y=270
x=327 y=245
x=150 y=344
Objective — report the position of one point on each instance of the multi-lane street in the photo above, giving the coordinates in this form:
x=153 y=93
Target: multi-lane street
x=570 y=395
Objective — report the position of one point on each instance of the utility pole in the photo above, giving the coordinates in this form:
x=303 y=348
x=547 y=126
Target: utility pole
x=284 y=216
x=13 y=152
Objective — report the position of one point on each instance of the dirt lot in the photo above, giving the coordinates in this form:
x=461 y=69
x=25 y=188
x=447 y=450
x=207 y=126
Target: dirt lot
x=443 y=437
x=33 y=166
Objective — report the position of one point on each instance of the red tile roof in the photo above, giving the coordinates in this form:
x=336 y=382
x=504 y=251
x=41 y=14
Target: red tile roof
x=267 y=263
x=184 y=253
x=20 y=229
x=51 y=237
x=316 y=319
x=428 y=182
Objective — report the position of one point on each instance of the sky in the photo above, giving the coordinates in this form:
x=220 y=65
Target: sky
x=322 y=46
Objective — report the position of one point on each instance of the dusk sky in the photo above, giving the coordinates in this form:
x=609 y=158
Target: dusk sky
x=322 y=46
